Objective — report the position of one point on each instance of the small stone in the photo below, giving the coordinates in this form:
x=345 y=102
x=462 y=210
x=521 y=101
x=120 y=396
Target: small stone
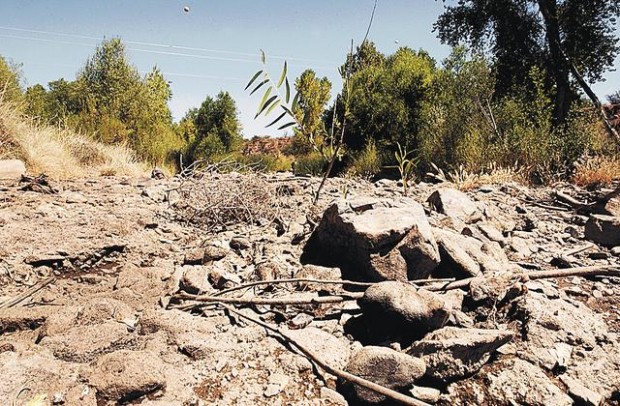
x=603 y=230
x=615 y=251
x=240 y=243
x=331 y=397
x=597 y=294
x=428 y=395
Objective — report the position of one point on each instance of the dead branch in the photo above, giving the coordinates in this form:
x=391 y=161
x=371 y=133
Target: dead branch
x=321 y=282
x=392 y=394
x=599 y=270
x=27 y=293
x=273 y=302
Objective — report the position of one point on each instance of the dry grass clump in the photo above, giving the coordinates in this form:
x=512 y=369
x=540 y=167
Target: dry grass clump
x=224 y=194
x=58 y=152
x=597 y=171
x=466 y=180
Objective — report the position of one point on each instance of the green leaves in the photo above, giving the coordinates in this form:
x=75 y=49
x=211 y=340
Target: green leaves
x=273 y=98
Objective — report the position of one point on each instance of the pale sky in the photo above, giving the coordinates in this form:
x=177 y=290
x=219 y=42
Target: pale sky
x=216 y=46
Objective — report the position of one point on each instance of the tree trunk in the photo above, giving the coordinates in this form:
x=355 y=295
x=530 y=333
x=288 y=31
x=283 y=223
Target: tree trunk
x=561 y=70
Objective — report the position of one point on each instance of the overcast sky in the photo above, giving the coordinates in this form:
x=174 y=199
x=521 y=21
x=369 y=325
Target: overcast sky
x=216 y=46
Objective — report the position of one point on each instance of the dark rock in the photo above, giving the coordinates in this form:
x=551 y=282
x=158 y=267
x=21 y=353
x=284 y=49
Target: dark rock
x=399 y=309
x=374 y=239
x=603 y=230
x=385 y=367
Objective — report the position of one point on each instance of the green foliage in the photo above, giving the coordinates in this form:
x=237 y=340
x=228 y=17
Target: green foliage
x=406 y=166
x=312 y=164
x=10 y=78
x=314 y=93
x=366 y=163
x=213 y=129
x=386 y=100
x=524 y=35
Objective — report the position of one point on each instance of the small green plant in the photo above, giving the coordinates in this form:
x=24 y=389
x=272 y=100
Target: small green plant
x=406 y=166
x=367 y=163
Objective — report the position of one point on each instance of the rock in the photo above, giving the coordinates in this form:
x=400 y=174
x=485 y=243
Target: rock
x=195 y=280
x=615 y=251
x=270 y=269
x=194 y=256
x=385 y=367
x=456 y=205
x=19 y=318
x=334 y=351
x=374 y=239
x=612 y=207
x=581 y=394
x=331 y=397
x=428 y=395
x=124 y=376
x=454 y=353
x=397 y=308
x=213 y=253
x=317 y=272
x=11 y=169
x=157 y=193
x=464 y=256
x=603 y=230
x=240 y=243
x=508 y=382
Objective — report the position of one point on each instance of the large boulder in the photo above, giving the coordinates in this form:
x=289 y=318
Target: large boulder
x=399 y=309
x=385 y=367
x=454 y=353
x=375 y=240
x=603 y=230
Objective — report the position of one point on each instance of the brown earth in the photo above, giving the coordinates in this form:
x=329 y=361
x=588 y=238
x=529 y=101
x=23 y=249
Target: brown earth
x=103 y=331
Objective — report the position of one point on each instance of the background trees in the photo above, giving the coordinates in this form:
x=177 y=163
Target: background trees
x=543 y=34
x=10 y=87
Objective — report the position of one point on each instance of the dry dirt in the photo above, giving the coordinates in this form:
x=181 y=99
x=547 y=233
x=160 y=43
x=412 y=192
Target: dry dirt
x=100 y=334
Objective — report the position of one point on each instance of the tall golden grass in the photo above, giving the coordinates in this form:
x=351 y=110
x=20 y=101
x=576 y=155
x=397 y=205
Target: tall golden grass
x=58 y=152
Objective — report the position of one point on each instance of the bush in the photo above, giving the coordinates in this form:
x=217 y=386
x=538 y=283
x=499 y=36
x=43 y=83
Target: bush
x=312 y=164
x=367 y=163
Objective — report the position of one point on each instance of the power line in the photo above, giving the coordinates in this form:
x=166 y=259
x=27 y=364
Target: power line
x=150 y=51
x=153 y=44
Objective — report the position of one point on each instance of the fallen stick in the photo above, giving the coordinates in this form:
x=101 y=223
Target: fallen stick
x=260 y=301
x=599 y=270
x=27 y=293
x=392 y=394
x=321 y=281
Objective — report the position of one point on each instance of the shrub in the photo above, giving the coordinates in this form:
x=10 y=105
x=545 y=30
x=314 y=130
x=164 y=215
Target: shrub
x=367 y=163
x=312 y=164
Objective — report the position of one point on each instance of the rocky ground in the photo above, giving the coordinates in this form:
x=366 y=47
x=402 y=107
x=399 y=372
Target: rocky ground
x=107 y=291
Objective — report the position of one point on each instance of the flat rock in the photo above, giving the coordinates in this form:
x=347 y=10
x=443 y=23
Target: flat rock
x=321 y=273
x=195 y=280
x=11 y=169
x=385 y=367
x=397 y=308
x=454 y=353
x=374 y=239
x=19 y=318
x=603 y=230
x=124 y=376
x=580 y=393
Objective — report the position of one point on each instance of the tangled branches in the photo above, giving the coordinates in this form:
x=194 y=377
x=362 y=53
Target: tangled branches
x=216 y=196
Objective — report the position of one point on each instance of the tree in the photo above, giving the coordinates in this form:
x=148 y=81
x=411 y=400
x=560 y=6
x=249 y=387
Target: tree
x=217 y=127
x=10 y=87
x=386 y=100
x=547 y=34
x=314 y=93
x=37 y=104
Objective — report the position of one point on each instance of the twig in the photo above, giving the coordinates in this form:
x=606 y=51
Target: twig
x=260 y=301
x=26 y=294
x=602 y=270
x=392 y=394
x=322 y=282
